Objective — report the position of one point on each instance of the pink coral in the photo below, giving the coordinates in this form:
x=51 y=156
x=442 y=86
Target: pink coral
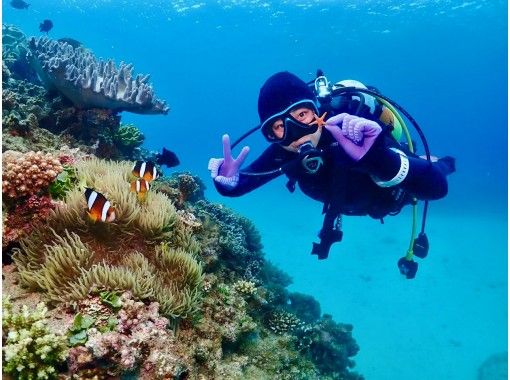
x=141 y=333
x=29 y=173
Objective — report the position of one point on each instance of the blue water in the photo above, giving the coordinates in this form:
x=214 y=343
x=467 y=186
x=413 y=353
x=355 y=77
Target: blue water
x=444 y=61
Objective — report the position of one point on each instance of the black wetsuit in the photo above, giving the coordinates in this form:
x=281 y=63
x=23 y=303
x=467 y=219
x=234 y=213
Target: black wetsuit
x=347 y=183
x=345 y=186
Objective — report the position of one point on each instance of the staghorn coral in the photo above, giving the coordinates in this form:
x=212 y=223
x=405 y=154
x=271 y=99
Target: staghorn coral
x=92 y=83
x=30 y=350
x=29 y=173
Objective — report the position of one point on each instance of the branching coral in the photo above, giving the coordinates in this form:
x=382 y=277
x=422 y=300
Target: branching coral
x=30 y=350
x=29 y=173
x=246 y=288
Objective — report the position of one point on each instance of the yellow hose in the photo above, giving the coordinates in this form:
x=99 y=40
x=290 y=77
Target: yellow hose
x=410 y=253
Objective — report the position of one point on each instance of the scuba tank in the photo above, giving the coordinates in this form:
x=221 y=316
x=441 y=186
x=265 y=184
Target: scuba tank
x=328 y=93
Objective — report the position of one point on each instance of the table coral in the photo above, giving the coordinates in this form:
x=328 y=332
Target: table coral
x=29 y=173
x=92 y=83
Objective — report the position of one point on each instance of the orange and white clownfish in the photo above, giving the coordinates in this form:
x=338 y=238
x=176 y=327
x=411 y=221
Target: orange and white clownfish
x=140 y=187
x=99 y=208
x=145 y=170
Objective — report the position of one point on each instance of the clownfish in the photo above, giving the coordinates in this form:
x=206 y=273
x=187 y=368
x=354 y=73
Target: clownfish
x=99 y=208
x=140 y=187
x=145 y=170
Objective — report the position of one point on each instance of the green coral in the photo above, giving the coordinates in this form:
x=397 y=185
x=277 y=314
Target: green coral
x=30 y=350
x=128 y=137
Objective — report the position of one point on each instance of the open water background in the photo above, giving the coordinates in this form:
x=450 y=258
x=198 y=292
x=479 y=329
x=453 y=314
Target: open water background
x=444 y=61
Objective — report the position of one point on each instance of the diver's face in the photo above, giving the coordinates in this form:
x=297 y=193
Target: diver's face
x=304 y=115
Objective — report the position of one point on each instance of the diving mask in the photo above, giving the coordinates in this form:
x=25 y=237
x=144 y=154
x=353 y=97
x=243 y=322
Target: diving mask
x=292 y=129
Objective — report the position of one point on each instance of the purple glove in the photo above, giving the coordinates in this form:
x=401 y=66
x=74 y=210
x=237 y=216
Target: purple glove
x=355 y=134
x=225 y=170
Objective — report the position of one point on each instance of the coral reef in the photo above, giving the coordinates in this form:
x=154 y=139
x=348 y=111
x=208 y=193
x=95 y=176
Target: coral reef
x=14 y=51
x=181 y=188
x=239 y=241
x=282 y=322
x=246 y=288
x=134 y=344
x=329 y=345
x=92 y=83
x=24 y=217
x=127 y=138
x=29 y=173
x=175 y=287
x=30 y=350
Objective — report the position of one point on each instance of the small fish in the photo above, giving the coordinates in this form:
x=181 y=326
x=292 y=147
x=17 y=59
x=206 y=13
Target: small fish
x=167 y=158
x=71 y=41
x=145 y=170
x=46 y=26
x=19 y=4
x=99 y=207
x=140 y=187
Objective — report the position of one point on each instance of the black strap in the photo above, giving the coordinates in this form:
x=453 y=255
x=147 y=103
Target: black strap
x=329 y=234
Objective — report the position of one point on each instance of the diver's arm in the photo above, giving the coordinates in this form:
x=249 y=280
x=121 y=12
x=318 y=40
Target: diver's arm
x=267 y=162
x=390 y=166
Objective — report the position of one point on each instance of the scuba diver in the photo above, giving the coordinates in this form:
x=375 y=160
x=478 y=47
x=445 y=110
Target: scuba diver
x=340 y=144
